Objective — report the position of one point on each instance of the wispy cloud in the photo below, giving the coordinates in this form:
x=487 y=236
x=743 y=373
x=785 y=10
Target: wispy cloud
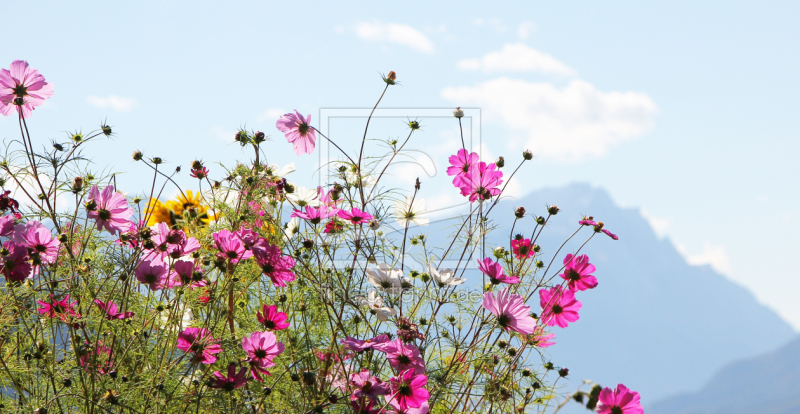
x=711 y=254
x=524 y=30
x=566 y=124
x=400 y=34
x=517 y=57
x=117 y=103
x=270 y=114
x=658 y=224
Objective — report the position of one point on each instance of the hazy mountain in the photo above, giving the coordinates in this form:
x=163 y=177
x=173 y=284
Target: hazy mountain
x=654 y=323
x=767 y=384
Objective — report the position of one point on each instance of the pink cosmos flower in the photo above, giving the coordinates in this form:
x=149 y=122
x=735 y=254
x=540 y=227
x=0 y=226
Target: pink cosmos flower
x=511 y=312
x=578 y=271
x=109 y=208
x=298 y=132
x=481 y=182
x=460 y=164
x=60 y=309
x=586 y=221
x=365 y=406
x=16 y=265
x=275 y=265
x=325 y=198
x=231 y=382
x=355 y=216
x=540 y=338
x=39 y=239
x=24 y=83
x=271 y=318
x=230 y=246
x=261 y=349
x=559 y=306
x=171 y=243
x=522 y=248
x=408 y=390
x=610 y=234
x=6 y=226
x=315 y=215
x=199 y=173
x=357 y=345
x=619 y=401
x=153 y=274
x=8 y=203
x=110 y=308
x=201 y=343
x=96 y=357
x=402 y=356
x=250 y=238
x=495 y=272
x=186 y=273
x=367 y=385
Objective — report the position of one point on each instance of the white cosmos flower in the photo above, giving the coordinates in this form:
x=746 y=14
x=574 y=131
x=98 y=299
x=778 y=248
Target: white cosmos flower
x=303 y=196
x=445 y=277
x=281 y=172
x=292 y=227
x=376 y=306
x=387 y=279
x=407 y=212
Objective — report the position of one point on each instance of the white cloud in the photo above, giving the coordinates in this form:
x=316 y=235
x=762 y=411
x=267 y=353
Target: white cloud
x=495 y=24
x=271 y=114
x=517 y=57
x=710 y=255
x=223 y=135
x=117 y=103
x=524 y=30
x=566 y=124
x=395 y=33
x=658 y=224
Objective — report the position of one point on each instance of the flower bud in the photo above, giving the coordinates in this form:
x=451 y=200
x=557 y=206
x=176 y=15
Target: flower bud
x=106 y=129
x=414 y=125
x=526 y=372
x=527 y=155
x=77 y=184
x=553 y=210
x=259 y=137
x=137 y=155
x=58 y=146
x=563 y=372
x=390 y=78
x=458 y=113
x=374 y=224
x=512 y=352
x=499 y=252
x=500 y=163
x=519 y=212
x=540 y=220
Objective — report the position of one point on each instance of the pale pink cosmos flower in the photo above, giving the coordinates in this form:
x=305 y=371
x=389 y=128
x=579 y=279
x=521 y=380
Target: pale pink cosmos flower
x=619 y=401
x=578 y=271
x=199 y=342
x=171 y=243
x=16 y=265
x=110 y=309
x=559 y=306
x=495 y=272
x=109 y=209
x=232 y=381
x=355 y=216
x=511 y=312
x=367 y=385
x=402 y=356
x=298 y=132
x=271 y=318
x=482 y=182
x=24 y=83
x=6 y=226
x=261 y=349
x=357 y=345
x=153 y=274
x=61 y=309
x=460 y=164
x=274 y=264
x=231 y=246
x=522 y=248
x=186 y=273
x=540 y=338
x=408 y=390
x=39 y=239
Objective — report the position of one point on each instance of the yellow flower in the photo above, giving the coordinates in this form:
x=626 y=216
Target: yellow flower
x=172 y=212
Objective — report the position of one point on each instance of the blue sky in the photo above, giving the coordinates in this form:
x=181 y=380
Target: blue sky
x=687 y=110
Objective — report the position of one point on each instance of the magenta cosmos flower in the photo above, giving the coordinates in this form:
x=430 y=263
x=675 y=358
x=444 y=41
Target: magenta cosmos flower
x=402 y=356
x=315 y=215
x=481 y=182
x=232 y=381
x=110 y=309
x=109 y=209
x=275 y=265
x=153 y=274
x=540 y=338
x=355 y=216
x=460 y=164
x=199 y=342
x=511 y=312
x=619 y=401
x=22 y=87
x=96 y=357
x=495 y=272
x=60 y=309
x=16 y=265
x=298 y=132
x=271 y=318
x=230 y=246
x=522 y=248
x=367 y=385
x=38 y=238
x=261 y=348
x=577 y=270
x=357 y=345
x=408 y=390
x=559 y=306
x=6 y=226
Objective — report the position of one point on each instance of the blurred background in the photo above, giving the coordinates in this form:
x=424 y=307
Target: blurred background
x=675 y=123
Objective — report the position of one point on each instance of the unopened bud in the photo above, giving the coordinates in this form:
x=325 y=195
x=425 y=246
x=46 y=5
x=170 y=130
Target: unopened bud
x=157 y=160
x=259 y=137
x=390 y=78
x=458 y=113
x=77 y=184
x=563 y=372
x=500 y=163
x=553 y=210
x=519 y=212
x=527 y=155
x=137 y=155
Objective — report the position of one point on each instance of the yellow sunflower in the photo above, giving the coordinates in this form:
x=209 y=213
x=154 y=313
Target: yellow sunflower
x=172 y=211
